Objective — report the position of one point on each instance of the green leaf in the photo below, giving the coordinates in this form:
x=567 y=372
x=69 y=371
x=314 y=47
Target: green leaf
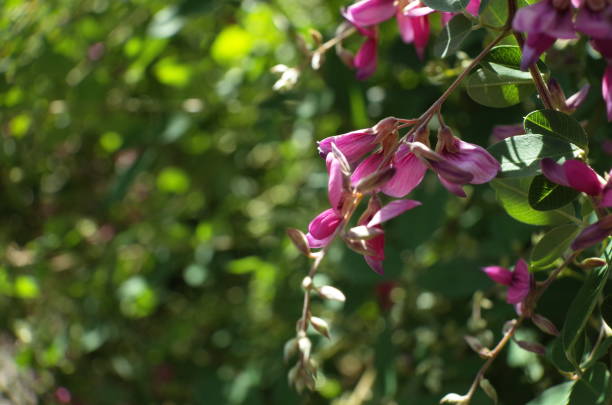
x=545 y=195
x=512 y=193
x=556 y=355
x=452 y=36
x=447 y=5
x=507 y=57
x=555 y=395
x=581 y=308
x=552 y=246
x=592 y=388
x=499 y=89
x=558 y=124
x=520 y=155
x=606 y=309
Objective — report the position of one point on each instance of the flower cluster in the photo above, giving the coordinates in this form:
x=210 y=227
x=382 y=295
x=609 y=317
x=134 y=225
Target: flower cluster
x=548 y=20
x=412 y=19
x=393 y=167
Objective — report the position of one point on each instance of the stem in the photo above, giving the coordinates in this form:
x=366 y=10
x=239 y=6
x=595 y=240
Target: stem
x=493 y=355
x=326 y=46
x=438 y=103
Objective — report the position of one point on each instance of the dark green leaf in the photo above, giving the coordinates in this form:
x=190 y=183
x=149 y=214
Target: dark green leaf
x=447 y=5
x=499 y=89
x=452 y=36
x=581 y=308
x=606 y=309
x=592 y=388
x=556 y=395
x=552 y=246
x=512 y=193
x=555 y=123
x=520 y=155
x=545 y=195
x=508 y=57
x=557 y=356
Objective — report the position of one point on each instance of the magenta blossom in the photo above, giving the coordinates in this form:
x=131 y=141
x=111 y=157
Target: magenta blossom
x=409 y=173
x=322 y=229
x=354 y=145
x=373 y=218
x=519 y=281
x=543 y=22
x=579 y=176
x=604 y=46
x=501 y=132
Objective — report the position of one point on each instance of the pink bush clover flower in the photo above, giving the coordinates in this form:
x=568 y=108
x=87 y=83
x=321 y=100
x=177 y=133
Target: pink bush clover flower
x=519 y=281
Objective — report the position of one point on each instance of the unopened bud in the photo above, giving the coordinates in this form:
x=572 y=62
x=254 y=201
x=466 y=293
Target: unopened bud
x=454 y=399
x=488 y=388
x=290 y=349
x=385 y=125
x=362 y=232
x=592 y=262
x=304 y=345
x=545 y=324
x=331 y=293
x=320 y=326
x=375 y=180
x=531 y=347
x=475 y=345
x=316 y=60
x=299 y=241
x=422 y=135
x=306 y=282
x=316 y=36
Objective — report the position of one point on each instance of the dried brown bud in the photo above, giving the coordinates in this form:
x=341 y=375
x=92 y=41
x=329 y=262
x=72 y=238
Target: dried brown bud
x=488 y=388
x=331 y=293
x=531 y=347
x=545 y=324
x=316 y=36
x=592 y=262
x=299 y=240
x=304 y=345
x=320 y=325
x=475 y=345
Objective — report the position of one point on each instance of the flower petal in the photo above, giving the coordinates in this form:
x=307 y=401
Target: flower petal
x=581 y=177
x=593 y=234
x=375 y=264
x=391 y=210
x=499 y=274
x=334 y=183
x=321 y=229
x=606 y=194
x=409 y=173
x=554 y=172
x=353 y=144
x=535 y=45
x=473 y=159
x=367 y=167
x=606 y=91
x=369 y=12
x=365 y=60
x=452 y=187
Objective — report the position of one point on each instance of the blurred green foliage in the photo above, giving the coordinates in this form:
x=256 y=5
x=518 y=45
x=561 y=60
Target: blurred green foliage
x=148 y=174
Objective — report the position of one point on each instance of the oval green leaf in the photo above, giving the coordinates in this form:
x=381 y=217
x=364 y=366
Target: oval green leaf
x=508 y=57
x=512 y=193
x=447 y=5
x=452 y=36
x=592 y=388
x=558 y=124
x=552 y=246
x=555 y=395
x=499 y=89
x=545 y=195
x=582 y=306
x=520 y=155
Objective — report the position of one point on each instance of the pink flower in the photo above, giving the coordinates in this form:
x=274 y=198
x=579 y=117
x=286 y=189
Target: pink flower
x=322 y=229
x=593 y=233
x=595 y=19
x=575 y=174
x=471 y=158
x=501 y=132
x=543 y=22
x=604 y=46
x=369 y=12
x=365 y=59
x=518 y=281
x=353 y=144
x=373 y=218
x=409 y=173
x=413 y=25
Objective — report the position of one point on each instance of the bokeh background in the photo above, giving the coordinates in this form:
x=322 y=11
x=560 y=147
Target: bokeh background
x=148 y=173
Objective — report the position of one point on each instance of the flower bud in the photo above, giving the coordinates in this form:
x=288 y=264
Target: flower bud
x=299 y=241
x=290 y=349
x=331 y=293
x=455 y=399
x=375 y=180
x=475 y=345
x=306 y=282
x=316 y=60
x=488 y=388
x=556 y=93
x=531 y=347
x=545 y=324
x=320 y=326
x=592 y=262
x=304 y=345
